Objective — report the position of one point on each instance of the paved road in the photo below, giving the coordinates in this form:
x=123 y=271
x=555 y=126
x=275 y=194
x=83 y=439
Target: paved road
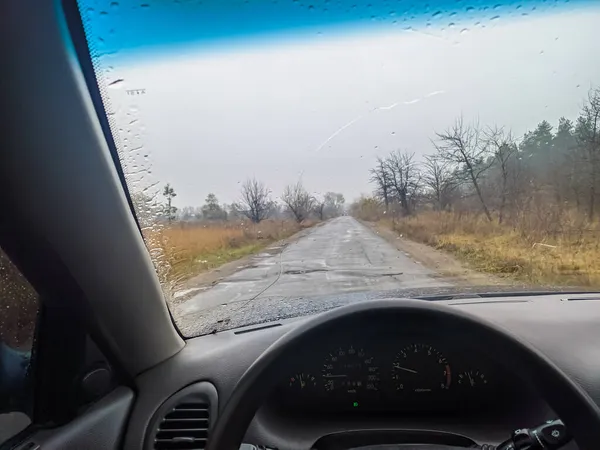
x=338 y=257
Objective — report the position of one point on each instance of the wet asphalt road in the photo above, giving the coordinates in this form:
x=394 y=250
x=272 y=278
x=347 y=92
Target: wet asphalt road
x=340 y=257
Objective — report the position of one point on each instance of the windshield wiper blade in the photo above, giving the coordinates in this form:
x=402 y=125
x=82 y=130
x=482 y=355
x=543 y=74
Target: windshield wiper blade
x=499 y=294
x=439 y=297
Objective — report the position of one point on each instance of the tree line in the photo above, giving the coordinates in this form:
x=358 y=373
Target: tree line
x=485 y=168
x=256 y=204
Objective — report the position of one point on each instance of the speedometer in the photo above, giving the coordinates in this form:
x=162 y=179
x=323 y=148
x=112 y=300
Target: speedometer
x=350 y=370
x=420 y=368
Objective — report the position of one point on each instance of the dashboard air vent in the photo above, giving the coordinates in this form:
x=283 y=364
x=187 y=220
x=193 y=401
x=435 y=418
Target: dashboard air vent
x=183 y=421
x=184 y=428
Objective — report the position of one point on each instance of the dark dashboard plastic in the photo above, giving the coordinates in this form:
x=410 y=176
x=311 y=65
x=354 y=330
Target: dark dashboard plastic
x=395 y=371
x=566 y=331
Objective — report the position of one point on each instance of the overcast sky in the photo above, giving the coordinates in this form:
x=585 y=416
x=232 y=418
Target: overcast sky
x=323 y=107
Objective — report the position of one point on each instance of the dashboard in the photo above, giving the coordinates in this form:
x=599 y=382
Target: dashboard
x=386 y=371
x=460 y=385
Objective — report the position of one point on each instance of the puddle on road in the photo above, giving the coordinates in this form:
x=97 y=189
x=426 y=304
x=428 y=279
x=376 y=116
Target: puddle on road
x=179 y=294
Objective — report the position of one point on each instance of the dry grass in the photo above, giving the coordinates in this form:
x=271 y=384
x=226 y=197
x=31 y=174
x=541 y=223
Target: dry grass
x=189 y=249
x=567 y=253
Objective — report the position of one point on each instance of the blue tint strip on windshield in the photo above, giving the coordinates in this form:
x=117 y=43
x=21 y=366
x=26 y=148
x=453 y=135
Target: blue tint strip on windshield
x=128 y=25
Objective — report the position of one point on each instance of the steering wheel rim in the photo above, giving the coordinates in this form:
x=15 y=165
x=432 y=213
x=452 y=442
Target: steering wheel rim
x=573 y=405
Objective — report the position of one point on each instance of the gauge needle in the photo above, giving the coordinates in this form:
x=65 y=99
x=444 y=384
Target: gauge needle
x=335 y=376
x=470 y=379
x=406 y=369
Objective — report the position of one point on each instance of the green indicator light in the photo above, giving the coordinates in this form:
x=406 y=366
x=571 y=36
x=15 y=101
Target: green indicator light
x=355 y=404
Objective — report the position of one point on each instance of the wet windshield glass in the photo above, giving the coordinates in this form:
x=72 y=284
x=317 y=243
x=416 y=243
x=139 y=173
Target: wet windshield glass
x=285 y=157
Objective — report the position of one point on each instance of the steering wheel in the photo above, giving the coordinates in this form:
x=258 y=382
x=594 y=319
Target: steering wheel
x=573 y=405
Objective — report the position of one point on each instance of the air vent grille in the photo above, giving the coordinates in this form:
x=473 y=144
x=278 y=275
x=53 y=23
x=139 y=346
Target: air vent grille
x=185 y=427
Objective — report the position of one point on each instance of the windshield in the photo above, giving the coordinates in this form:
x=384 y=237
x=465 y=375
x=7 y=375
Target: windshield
x=288 y=156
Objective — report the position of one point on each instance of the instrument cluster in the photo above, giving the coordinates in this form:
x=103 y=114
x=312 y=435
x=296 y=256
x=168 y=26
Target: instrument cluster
x=404 y=375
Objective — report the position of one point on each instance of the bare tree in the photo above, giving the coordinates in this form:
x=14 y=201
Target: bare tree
x=381 y=177
x=298 y=201
x=334 y=204
x=440 y=181
x=461 y=145
x=588 y=137
x=329 y=205
x=256 y=202
x=212 y=210
x=502 y=146
x=404 y=178
x=186 y=213
x=319 y=208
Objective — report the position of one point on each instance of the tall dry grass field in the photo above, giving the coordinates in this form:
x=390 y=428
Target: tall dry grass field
x=187 y=249
x=534 y=249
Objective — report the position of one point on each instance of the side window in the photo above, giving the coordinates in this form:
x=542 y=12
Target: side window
x=19 y=305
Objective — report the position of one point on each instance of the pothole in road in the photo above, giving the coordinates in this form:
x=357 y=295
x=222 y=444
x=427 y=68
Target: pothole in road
x=302 y=271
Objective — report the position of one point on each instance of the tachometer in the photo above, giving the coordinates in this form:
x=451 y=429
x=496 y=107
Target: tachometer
x=350 y=370
x=420 y=368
